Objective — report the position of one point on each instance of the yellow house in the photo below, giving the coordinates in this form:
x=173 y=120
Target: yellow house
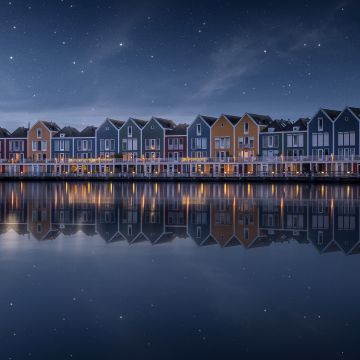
x=247 y=133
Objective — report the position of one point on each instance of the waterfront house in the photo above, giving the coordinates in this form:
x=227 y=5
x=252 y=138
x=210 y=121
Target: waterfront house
x=346 y=133
x=84 y=144
x=16 y=144
x=199 y=141
x=247 y=133
x=295 y=138
x=176 y=146
x=321 y=133
x=130 y=139
x=271 y=139
x=63 y=143
x=153 y=140
x=108 y=138
x=39 y=140
x=4 y=135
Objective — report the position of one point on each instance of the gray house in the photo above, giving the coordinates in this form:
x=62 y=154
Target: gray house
x=199 y=137
x=153 y=137
x=84 y=147
x=131 y=139
x=62 y=143
x=108 y=138
x=346 y=133
x=271 y=139
x=295 y=138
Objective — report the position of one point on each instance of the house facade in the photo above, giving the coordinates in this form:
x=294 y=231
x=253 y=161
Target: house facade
x=271 y=139
x=346 y=133
x=16 y=145
x=39 y=140
x=108 y=138
x=295 y=138
x=153 y=137
x=199 y=137
x=85 y=143
x=247 y=133
x=222 y=137
x=131 y=139
x=320 y=133
x=63 y=143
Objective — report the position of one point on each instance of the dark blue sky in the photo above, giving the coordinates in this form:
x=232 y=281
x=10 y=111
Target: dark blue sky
x=77 y=62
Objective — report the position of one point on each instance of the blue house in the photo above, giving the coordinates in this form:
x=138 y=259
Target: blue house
x=108 y=138
x=321 y=133
x=199 y=137
x=346 y=138
x=84 y=147
x=62 y=143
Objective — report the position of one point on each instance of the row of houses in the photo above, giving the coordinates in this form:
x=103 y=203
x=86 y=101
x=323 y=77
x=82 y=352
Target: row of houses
x=241 y=138
x=251 y=216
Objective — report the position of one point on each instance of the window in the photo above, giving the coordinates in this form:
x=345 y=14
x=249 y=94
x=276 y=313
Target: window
x=129 y=131
x=270 y=141
x=192 y=144
x=314 y=140
x=246 y=127
x=204 y=143
x=43 y=145
x=34 y=146
x=320 y=124
x=38 y=133
x=147 y=144
x=198 y=129
x=124 y=144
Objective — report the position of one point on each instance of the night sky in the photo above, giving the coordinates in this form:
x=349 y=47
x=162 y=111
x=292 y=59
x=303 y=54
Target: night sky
x=77 y=62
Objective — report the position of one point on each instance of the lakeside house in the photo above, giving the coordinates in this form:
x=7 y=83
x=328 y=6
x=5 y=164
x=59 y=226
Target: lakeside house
x=108 y=138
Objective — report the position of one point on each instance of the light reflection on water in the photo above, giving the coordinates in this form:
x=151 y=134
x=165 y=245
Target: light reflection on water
x=213 y=271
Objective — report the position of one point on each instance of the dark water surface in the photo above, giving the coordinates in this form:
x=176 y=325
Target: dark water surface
x=179 y=271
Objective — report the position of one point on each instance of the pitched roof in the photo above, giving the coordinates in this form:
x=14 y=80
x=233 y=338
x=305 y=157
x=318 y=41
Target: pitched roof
x=179 y=129
x=140 y=123
x=20 y=132
x=89 y=131
x=4 y=133
x=52 y=126
x=165 y=123
x=233 y=118
x=277 y=125
x=261 y=119
x=68 y=131
x=333 y=114
x=355 y=110
x=117 y=123
x=208 y=119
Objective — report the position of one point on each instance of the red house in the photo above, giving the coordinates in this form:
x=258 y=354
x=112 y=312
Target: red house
x=176 y=146
x=4 y=134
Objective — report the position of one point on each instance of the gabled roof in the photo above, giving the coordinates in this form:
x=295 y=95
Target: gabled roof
x=68 y=131
x=208 y=119
x=140 y=123
x=52 y=126
x=332 y=114
x=117 y=123
x=355 y=110
x=179 y=129
x=232 y=118
x=260 y=119
x=4 y=133
x=302 y=123
x=20 y=132
x=277 y=125
x=89 y=131
x=165 y=123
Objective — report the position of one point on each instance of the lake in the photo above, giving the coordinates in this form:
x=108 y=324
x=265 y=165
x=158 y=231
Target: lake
x=111 y=270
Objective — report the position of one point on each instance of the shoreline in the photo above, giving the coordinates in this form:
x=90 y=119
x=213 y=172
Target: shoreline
x=169 y=178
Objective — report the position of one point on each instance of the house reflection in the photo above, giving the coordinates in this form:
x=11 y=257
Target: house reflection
x=226 y=215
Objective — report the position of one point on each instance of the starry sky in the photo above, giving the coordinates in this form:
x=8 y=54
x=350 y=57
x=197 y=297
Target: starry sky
x=76 y=62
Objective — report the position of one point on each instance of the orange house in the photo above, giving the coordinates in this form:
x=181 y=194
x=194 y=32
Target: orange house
x=247 y=133
x=223 y=142
x=39 y=140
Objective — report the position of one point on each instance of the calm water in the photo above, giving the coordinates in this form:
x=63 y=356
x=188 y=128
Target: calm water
x=179 y=271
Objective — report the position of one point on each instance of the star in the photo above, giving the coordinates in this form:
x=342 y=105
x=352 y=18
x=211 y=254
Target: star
x=265 y=51
x=121 y=44
x=11 y=58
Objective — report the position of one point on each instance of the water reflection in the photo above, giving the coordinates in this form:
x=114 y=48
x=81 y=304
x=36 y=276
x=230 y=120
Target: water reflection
x=248 y=215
